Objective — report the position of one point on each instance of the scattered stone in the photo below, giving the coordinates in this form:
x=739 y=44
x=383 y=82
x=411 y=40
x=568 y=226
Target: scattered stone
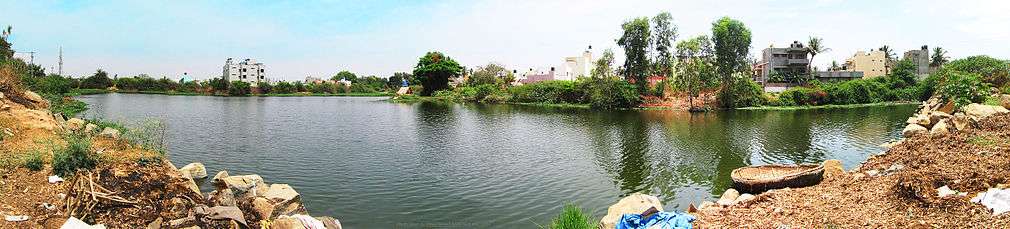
x=226 y=213
x=109 y=132
x=889 y=145
x=872 y=173
x=1004 y=100
x=75 y=223
x=75 y=124
x=281 y=193
x=222 y=197
x=706 y=204
x=90 y=128
x=945 y=191
x=894 y=168
x=55 y=179
x=16 y=218
x=939 y=128
x=833 y=168
x=635 y=203
x=728 y=197
x=191 y=184
x=196 y=170
x=744 y=198
x=913 y=129
x=960 y=121
x=937 y=116
x=181 y=222
x=219 y=177
x=330 y=222
x=156 y=224
x=37 y=100
x=979 y=111
x=247 y=183
x=285 y=222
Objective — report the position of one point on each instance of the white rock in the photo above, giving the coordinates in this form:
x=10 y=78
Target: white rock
x=945 y=191
x=744 y=198
x=109 y=132
x=940 y=128
x=75 y=124
x=979 y=111
x=55 y=179
x=728 y=197
x=632 y=204
x=90 y=128
x=74 y=223
x=196 y=170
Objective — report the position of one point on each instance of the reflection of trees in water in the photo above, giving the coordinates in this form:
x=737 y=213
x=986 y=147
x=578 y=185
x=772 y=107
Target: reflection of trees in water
x=786 y=136
x=626 y=134
x=435 y=127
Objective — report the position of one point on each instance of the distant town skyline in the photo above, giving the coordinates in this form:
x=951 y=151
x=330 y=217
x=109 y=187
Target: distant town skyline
x=382 y=37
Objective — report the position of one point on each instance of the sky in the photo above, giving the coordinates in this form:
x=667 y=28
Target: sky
x=296 y=39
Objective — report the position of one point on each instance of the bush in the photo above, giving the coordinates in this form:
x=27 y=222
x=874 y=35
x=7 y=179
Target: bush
x=572 y=217
x=34 y=161
x=362 y=88
x=264 y=87
x=64 y=105
x=76 y=155
x=993 y=71
x=51 y=84
x=238 y=88
x=802 y=96
x=857 y=92
x=551 y=91
x=964 y=88
x=611 y=93
x=284 y=88
x=742 y=92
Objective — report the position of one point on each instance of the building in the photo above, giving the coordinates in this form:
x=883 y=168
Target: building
x=536 y=75
x=246 y=71
x=838 y=76
x=786 y=61
x=576 y=66
x=920 y=58
x=872 y=64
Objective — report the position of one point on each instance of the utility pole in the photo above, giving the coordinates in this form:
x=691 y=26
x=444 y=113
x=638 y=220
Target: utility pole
x=61 y=60
x=31 y=56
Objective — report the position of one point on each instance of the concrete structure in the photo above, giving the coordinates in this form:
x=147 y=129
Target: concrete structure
x=246 y=71
x=787 y=61
x=872 y=64
x=920 y=58
x=576 y=66
x=837 y=76
x=536 y=75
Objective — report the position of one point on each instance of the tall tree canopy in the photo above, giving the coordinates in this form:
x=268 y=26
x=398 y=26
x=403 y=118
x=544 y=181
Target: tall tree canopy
x=635 y=42
x=349 y=76
x=939 y=57
x=491 y=73
x=434 y=70
x=695 y=66
x=663 y=39
x=5 y=46
x=732 y=43
x=816 y=46
x=601 y=68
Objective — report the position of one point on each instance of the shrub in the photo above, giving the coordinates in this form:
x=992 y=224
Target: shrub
x=611 y=93
x=742 y=92
x=991 y=70
x=362 y=88
x=856 y=92
x=51 y=84
x=34 y=161
x=802 y=96
x=964 y=88
x=64 y=105
x=551 y=91
x=238 y=88
x=572 y=217
x=498 y=96
x=76 y=155
x=264 y=87
x=284 y=87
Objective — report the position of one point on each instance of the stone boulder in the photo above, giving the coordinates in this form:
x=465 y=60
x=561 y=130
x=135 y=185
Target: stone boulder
x=960 y=121
x=633 y=204
x=37 y=101
x=978 y=111
x=286 y=222
x=913 y=129
x=937 y=116
x=90 y=128
x=947 y=107
x=219 y=177
x=109 y=132
x=728 y=197
x=833 y=168
x=939 y=128
x=1004 y=100
x=247 y=185
x=75 y=124
x=744 y=198
x=222 y=197
x=284 y=199
x=191 y=184
x=920 y=119
x=262 y=208
x=194 y=170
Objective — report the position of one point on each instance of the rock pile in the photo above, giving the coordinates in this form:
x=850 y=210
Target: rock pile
x=935 y=117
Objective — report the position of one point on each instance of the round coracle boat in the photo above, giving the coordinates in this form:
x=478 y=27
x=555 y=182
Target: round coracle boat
x=757 y=179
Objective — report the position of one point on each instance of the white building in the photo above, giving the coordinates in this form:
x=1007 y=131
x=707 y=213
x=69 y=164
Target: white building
x=576 y=66
x=246 y=71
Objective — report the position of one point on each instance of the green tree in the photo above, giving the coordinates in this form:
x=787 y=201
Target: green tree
x=602 y=68
x=732 y=44
x=345 y=75
x=889 y=58
x=300 y=87
x=491 y=73
x=816 y=46
x=284 y=87
x=397 y=79
x=99 y=80
x=239 y=88
x=903 y=74
x=696 y=66
x=635 y=42
x=218 y=84
x=264 y=87
x=434 y=70
x=6 y=52
x=663 y=41
x=939 y=57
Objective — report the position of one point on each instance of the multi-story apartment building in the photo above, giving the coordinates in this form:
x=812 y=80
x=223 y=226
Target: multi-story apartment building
x=576 y=66
x=920 y=58
x=248 y=71
x=786 y=61
x=872 y=64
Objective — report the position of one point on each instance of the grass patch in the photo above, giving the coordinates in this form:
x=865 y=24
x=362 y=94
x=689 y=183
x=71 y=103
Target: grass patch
x=992 y=101
x=572 y=217
x=34 y=161
x=75 y=156
x=66 y=106
x=986 y=140
x=829 y=106
x=85 y=91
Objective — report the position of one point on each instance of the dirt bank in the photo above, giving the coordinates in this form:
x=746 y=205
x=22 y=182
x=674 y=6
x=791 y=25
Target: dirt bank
x=897 y=189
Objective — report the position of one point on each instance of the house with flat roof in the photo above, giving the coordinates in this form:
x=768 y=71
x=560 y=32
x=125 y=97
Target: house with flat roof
x=784 y=61
x=920 y=58
x=872 y=64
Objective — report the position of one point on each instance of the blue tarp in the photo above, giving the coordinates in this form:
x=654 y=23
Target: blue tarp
x=662 y=220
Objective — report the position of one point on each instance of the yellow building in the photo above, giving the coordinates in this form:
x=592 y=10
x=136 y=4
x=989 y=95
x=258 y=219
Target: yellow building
x=872 y=64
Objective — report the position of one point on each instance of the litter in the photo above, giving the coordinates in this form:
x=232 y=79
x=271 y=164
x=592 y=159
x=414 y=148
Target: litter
x=16 y=218
x=309 y=222
x=55 y=179
x=998 y=200
x=48 y=206
x=74 y=223
x=659 y=220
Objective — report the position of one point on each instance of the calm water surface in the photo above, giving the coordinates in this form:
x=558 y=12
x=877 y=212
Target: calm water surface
x=375 y=164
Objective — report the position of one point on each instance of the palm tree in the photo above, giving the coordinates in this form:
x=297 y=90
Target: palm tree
x=888 y=58
x=815 y=45
x=939 y=57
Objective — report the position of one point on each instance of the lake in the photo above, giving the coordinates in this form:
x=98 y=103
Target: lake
x=375 y=164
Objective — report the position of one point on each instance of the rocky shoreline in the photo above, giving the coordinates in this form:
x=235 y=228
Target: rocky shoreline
x=130 y=186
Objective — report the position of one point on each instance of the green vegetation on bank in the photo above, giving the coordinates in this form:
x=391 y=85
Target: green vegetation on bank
x=572 y=217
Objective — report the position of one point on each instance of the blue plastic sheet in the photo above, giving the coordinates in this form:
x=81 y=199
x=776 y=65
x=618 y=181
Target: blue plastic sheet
x=661 y=220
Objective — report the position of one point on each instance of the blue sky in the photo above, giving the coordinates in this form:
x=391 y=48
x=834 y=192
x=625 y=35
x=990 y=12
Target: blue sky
x=319 y=38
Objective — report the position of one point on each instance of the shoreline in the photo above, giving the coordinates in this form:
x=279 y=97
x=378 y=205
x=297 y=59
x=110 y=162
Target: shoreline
x=79 y=92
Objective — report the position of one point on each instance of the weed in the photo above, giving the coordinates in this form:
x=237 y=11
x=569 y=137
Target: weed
x=572 y=217
x=76 y=155
x=33 y=161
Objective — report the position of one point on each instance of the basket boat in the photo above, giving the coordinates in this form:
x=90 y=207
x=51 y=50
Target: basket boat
x=757 y=179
